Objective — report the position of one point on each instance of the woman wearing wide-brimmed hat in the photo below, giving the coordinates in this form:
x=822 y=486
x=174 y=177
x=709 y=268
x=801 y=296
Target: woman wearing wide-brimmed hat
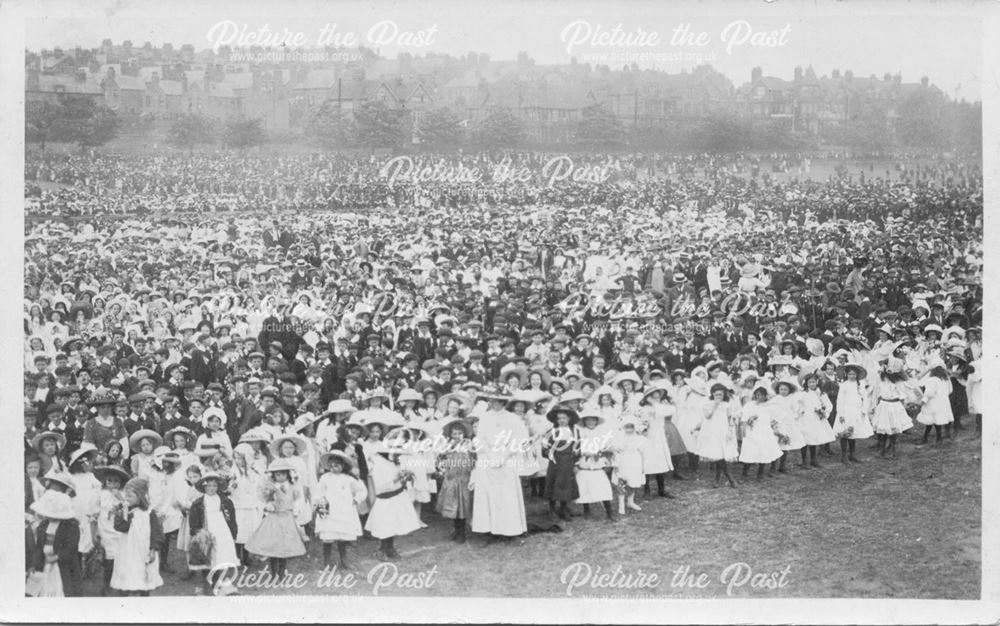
x=498 y=502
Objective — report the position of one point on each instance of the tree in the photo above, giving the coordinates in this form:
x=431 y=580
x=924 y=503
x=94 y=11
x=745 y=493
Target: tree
x=722 y=133
x=599 y=128
x=501 y=129
x=921 y=121
x=330 y=127
x=242 y=135
x=42 y=122
x=190 y=130
x=378 y=126
x=440 y=128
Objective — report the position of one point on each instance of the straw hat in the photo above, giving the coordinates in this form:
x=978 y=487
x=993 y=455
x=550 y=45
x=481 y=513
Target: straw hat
x=144 y=433
x=180 y=430
x=552 y=415
x=301 y=445
x=325 y=459
x=761 y=386
x=280 y=465
x=213 y=412
x=255 y=434
x=54 y=505
x=591 y=415
x=409 y=395
x=340 y=406
x=791 y=382
x=101 y=472
x=491 y=392
x=61 y=478
x=585 y=381
x=305 y=420
x=36 y=441
x=626 y=376
x=86 y=449
x=219 y=478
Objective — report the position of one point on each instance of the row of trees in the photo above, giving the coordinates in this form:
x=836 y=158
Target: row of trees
x=925 y=119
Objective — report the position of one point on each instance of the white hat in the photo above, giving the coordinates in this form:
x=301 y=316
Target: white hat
x=54 y=505
x=213 y=412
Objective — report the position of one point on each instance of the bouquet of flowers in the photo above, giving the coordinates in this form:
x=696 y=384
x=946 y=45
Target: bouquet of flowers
x=848 y=432
x=200 y=550
x=784 y=440
x=406 y=477
x=322 y=508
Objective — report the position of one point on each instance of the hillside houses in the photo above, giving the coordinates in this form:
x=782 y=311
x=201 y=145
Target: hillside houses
x=164 y=82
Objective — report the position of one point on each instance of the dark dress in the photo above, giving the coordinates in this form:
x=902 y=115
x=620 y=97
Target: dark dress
x=65 y=544
x=560 y=479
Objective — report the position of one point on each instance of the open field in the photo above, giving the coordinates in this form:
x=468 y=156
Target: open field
x=904 y=528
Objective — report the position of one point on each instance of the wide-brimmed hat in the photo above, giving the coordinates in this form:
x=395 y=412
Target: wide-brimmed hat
x=219 y=478
x=86 y=449
x=281 y=465
x=62 y=478
x=37 y=440
x=144 y=433
x=102 y=399
x=409 y=395
x=54 y=505
x=791 y=382
x=491 y=392
x=377 y=392
x=761 y=386
x=626 y=376
x=325 y=459
x=858 y=368
x=578 y=385
x=301 y=445
x=304 y=420
x=463 y=424
x=463 y=399
x=255 y=434
x=357 y=422
x=101 y=472
x=180 y=430
x=213 y=412
x=552 y=415
x=340 y=406
x=592 y=415
x=207 y=448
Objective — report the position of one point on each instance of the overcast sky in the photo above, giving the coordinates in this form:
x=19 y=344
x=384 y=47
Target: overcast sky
x=915 y=39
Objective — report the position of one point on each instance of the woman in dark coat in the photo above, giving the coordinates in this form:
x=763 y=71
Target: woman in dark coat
x=63 y=545
x=562 y=448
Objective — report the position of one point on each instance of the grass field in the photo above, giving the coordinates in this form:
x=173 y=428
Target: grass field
x=903 y=528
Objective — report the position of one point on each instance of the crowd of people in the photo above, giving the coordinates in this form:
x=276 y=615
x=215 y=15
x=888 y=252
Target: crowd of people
x=236 y=386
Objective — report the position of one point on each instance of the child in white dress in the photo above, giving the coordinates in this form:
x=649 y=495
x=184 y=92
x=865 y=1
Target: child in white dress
x=338 y=495
x=628 y=447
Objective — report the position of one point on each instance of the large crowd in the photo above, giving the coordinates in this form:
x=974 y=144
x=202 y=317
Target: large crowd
x=312 y=353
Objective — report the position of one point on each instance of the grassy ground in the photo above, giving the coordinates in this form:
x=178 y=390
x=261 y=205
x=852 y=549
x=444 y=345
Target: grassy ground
x=904 y=528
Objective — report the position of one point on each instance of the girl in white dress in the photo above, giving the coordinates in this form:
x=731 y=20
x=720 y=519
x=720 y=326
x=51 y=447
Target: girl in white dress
x=890 y=417
x=760 y=446
x=392 y=515
x=814 y=410
x=215 y=513
x=338 y=495
x=137 y=570
x=244 y=489
x=717 y=433
x=628 y=447
x=591 y=479
x=690 y=412
x=852 y=412
x=785 y=407
x=656 y=452
x=935 y=411
x=112 y=478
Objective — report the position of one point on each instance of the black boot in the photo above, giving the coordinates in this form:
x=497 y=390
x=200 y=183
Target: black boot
x=675 y=461
x=843 y=450
x=937 y=434
x=586 y=511
x=812 y=457
x=760 y=471
x=661 y=489
x=458 y=525
x=850 y=456
x=927 y=433
x=327 y=554
x=783 y=463
x=564 y=513
x=342 y=554
x=645 y=487
x=608 y=511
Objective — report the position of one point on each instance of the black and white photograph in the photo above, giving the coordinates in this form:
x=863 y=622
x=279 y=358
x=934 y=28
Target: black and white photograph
x=587 y=309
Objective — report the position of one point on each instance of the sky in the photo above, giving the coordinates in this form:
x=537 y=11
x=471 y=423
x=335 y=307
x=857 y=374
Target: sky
x=942 y=41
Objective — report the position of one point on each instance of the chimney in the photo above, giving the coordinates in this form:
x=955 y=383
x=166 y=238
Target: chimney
x=849 y=76
x=924 y=81
x=798 y=73
x=836 y=74
x=755 y=74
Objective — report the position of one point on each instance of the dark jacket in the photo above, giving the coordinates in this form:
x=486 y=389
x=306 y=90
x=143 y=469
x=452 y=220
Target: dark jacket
x=196 y=516
x=65 y=544
x=123 y=521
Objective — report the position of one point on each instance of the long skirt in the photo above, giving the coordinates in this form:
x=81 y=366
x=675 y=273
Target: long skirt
x=560 y=481
x=277 y=537
x=891 y=418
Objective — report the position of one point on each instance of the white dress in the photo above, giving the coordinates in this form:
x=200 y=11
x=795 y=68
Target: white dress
x=498 y=501
x=813 y=422
x=717 y=436
x=419 y=487
x=936 y=403
x=785 y=411
x=852 y=412
x=110 y=537
x=591 y=479
x=342 y=493
x=629 y=459
x=249 y=508
x=131 y=572
x=890 y=416
x=392 y=516
x=656 y=451
x=224 y=551
x=759 y=443
x=689 y=415
x=974 y=387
